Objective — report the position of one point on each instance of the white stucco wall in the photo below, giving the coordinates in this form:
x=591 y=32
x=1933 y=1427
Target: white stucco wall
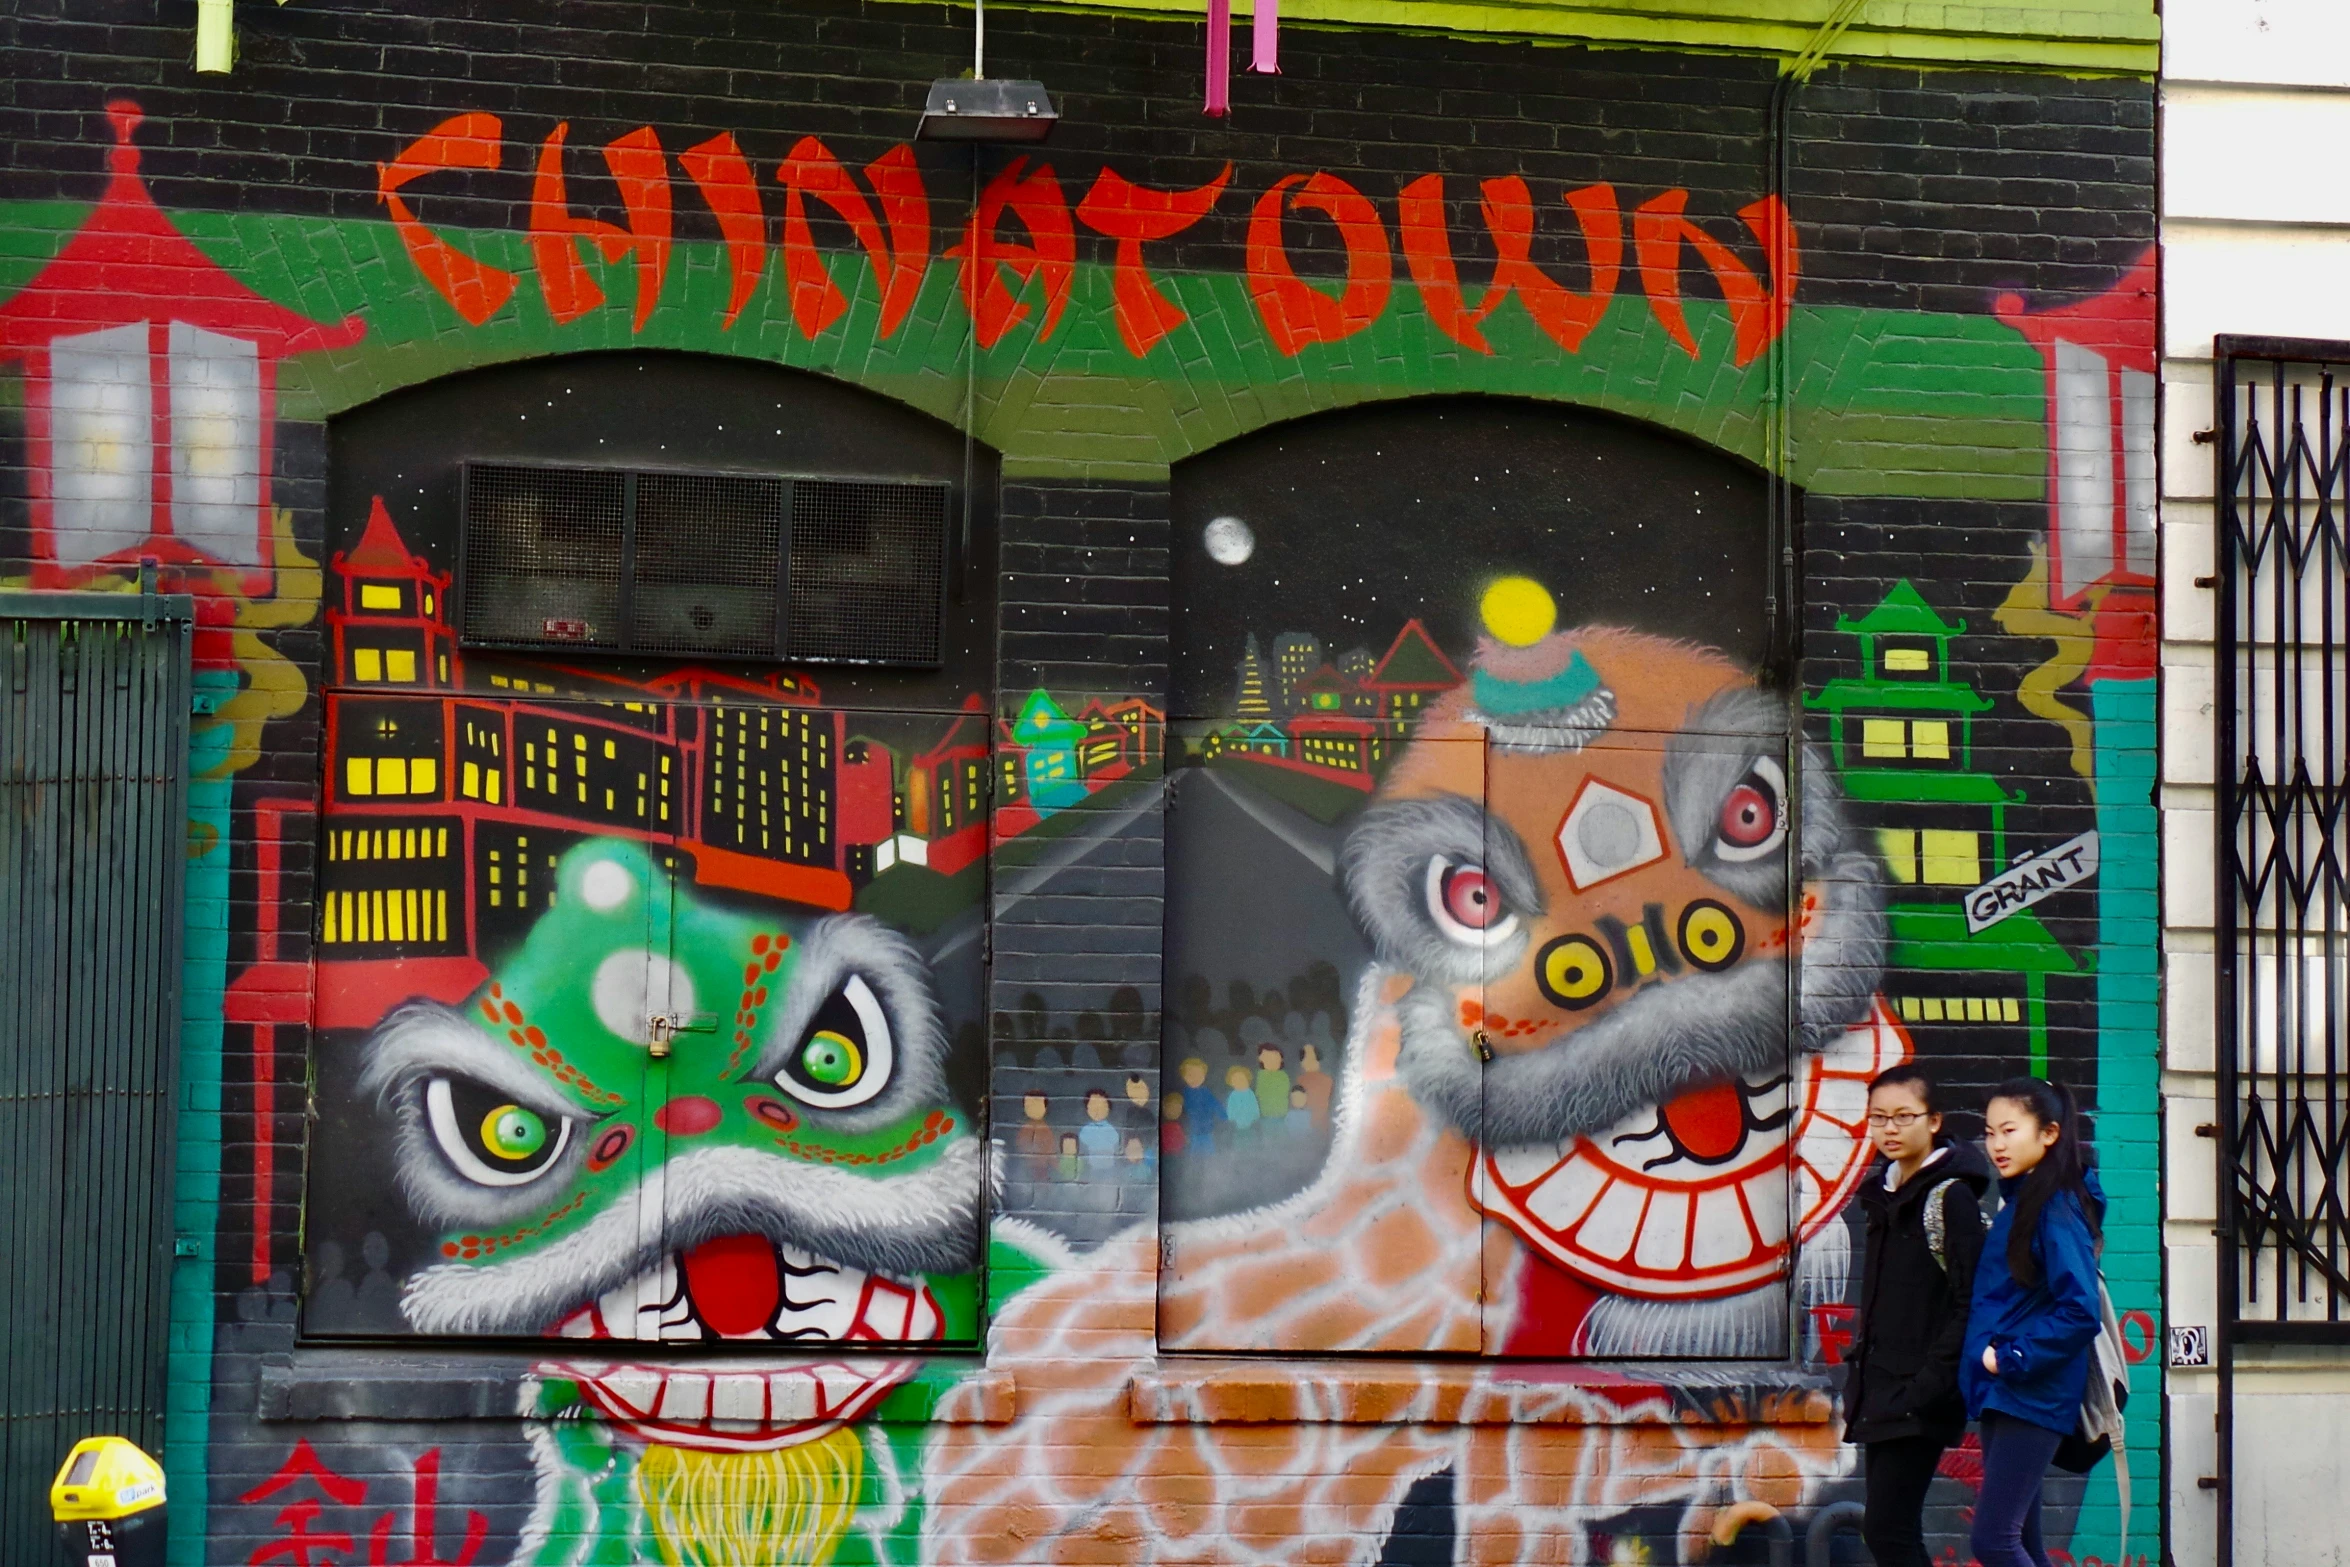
x=2255 y=229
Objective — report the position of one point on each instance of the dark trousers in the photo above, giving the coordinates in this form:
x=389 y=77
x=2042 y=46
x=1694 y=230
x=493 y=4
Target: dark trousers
x=2007 y=1513
x=1897 y=1473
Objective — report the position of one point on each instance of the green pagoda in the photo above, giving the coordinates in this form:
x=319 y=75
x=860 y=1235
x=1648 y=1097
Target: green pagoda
x=1903 y=738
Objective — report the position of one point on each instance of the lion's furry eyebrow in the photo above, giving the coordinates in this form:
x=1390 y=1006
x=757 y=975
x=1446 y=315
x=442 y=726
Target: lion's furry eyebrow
x=424 y=1039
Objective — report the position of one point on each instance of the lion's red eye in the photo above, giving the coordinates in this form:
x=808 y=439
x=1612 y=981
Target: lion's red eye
x=1749 y=817
x=1470 y=897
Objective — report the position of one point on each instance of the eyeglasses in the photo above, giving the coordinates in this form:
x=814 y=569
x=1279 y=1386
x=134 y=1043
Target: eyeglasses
x=1899 y=1120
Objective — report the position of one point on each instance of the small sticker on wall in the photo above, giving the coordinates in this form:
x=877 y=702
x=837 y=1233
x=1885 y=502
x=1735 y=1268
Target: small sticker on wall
x=2189 y=1347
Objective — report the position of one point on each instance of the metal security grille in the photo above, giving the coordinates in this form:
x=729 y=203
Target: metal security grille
x=717 y=565
x=93 y=840
x=706 y=548
x=868 y=565
x=2283 y=703
x=544 y=550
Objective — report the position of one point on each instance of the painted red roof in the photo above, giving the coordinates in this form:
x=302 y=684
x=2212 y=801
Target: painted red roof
x=380 y=549
x=128 y=263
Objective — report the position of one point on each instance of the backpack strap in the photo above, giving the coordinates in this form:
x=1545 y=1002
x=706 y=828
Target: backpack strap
x=1938 y=1223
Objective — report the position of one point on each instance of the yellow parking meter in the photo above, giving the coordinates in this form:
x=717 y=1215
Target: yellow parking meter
x=108 y=1504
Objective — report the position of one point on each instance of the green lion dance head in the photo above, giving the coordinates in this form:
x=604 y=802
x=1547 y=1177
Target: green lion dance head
x=667 y=1120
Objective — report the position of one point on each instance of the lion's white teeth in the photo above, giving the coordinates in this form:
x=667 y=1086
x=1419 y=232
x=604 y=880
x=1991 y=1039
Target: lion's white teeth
x=687 y=1397
x=819 y=1297
x=635 y=1386
x=639 y=1308
x=740 y=1396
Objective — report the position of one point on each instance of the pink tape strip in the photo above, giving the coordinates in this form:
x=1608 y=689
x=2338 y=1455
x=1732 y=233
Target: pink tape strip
x=1219 y=57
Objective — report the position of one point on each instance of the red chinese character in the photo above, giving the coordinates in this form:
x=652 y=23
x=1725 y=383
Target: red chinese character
x=424 y=1525
x=297 y=1544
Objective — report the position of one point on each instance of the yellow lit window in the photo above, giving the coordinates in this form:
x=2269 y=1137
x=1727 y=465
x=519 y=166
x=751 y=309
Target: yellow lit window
x=1929 y=740
x=1905 y=661
x=1952 y=859
x=391 y=775
x=492 y=793
x=1883 y=737
x=400 y=665
x=424 y=776
x=366 y=664
x=469 y=781
x=379 y=595
x=1899 y=846
x=359 y=776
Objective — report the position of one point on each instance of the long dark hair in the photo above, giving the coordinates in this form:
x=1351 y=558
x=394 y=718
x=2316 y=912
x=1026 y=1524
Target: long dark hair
x=2060 y=1169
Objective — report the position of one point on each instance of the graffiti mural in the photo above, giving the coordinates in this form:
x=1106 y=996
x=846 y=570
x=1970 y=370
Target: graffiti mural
x=1329 y=1024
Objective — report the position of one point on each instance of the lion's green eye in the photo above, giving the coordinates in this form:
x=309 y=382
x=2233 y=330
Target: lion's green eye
x=845 y=1053
x=831 y=1059
x=511 y=1132
x=488 y=1137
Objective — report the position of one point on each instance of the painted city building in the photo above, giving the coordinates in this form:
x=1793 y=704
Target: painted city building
x=1188 y=844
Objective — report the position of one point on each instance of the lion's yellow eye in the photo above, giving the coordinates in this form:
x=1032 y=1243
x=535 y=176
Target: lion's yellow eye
x=1573 y=971
x=1711 y=937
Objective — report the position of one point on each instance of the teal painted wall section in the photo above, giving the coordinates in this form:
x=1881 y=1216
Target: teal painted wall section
x=196 y=1197
x=2129 y=1141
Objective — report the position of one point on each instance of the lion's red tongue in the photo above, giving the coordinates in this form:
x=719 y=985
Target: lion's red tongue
x=734 y=1284
x=1708 y=1121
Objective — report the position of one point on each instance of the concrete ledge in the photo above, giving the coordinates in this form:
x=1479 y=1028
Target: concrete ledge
x=396 y=1386
x=1240 y=1392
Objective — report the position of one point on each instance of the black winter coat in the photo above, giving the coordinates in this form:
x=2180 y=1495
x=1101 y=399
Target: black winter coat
x=1902 y=1375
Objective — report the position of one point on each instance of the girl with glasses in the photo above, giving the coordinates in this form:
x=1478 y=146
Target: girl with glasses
x=1923 y=1209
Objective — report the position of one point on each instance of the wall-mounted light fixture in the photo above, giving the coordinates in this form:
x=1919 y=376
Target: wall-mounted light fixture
x=973 y=108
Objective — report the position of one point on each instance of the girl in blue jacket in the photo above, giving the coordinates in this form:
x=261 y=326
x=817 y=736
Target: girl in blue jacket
x=2035 y=1314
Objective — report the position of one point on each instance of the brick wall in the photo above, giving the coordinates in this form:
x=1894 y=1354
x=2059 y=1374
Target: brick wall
x=1920 y=449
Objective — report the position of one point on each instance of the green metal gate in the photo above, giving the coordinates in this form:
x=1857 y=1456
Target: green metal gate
x=94 y=691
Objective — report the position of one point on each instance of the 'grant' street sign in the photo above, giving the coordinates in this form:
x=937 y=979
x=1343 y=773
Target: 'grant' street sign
x=2020 y=886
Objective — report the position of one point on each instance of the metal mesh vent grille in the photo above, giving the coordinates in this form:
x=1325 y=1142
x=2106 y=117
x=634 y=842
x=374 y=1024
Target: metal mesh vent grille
x=704 y=564
x=543 y=555
x=867 y=563
x=706 y=578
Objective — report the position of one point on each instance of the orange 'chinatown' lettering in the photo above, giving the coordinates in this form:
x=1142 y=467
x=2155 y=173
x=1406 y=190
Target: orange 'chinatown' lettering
x=642 y=175
x=555 y=234
x=1131 y=214
x=899 y=252
x=1756 y=317
x=1296 y=313
x=473 y=289
x=1003 y=281
x=1563 y=315
x=731 y=191
x=1051 y=255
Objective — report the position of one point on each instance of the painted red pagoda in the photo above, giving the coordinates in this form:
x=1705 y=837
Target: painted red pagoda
x=150 y=390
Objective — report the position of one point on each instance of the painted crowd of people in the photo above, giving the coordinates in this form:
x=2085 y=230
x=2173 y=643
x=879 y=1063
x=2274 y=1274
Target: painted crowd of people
x=1247 y=1106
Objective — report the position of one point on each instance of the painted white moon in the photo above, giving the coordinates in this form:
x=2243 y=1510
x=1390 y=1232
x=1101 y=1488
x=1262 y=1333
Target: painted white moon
x=1229 y=541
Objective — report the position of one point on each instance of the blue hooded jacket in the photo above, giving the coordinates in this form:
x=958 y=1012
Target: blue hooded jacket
x=2042 y=1333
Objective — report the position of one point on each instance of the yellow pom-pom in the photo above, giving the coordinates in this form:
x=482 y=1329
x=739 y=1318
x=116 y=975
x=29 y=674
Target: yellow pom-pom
x=1519 y=611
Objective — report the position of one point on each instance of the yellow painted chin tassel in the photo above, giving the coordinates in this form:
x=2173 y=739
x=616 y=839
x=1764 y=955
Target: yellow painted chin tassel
x=787 y=1507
